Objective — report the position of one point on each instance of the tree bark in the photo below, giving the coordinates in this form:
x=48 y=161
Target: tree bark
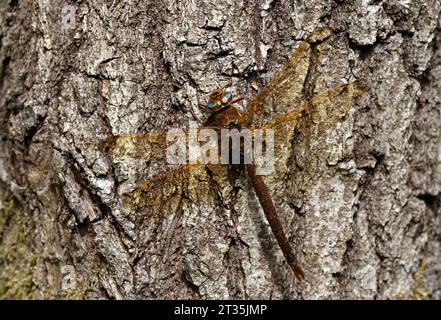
x=361 y=205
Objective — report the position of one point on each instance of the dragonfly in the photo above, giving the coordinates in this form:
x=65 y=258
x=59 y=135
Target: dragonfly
x=281 y=106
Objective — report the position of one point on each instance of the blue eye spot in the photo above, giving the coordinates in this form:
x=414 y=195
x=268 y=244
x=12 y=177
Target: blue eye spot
x=227 y=95
x=210 y=105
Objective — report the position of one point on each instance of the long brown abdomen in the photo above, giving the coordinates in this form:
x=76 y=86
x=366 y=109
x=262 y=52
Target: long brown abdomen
x=270 y=212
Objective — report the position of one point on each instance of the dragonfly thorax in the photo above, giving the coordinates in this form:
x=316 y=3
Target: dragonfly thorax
x=225 y=117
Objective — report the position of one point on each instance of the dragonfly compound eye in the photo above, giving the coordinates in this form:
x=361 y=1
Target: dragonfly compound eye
x=210 y=105
x=227 y=97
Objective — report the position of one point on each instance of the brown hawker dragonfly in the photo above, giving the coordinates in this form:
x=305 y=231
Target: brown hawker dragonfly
x=284 y=91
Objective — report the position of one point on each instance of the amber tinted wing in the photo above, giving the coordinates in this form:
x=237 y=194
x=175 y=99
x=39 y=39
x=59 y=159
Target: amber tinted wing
x=147 y=146
x=312 y=118
x=323 y=110
x=285 y=89
x=158 y=191
x=189 y=181
x=150 y=146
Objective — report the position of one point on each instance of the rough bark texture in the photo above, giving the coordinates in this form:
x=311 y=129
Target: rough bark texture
x=361 y=205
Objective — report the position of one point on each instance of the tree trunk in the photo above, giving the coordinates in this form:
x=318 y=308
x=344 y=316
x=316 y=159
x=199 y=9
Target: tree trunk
x=360 y=205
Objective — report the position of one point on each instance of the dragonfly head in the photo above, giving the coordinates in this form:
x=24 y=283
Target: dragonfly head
x=219 y=98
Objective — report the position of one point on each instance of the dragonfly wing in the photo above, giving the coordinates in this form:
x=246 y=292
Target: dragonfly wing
x=191 y=181
x=156 y=192
x=151 y=146
x=146 y=146
x=323 y=110
x=312 y=118
x=285 y=89
x=162 y=205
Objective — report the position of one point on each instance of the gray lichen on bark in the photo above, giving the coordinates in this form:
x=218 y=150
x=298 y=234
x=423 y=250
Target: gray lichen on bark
x=361 y=205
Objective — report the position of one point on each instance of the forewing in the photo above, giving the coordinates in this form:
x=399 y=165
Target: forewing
x=146 y=146
x=285 y=89
x=151 y=146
